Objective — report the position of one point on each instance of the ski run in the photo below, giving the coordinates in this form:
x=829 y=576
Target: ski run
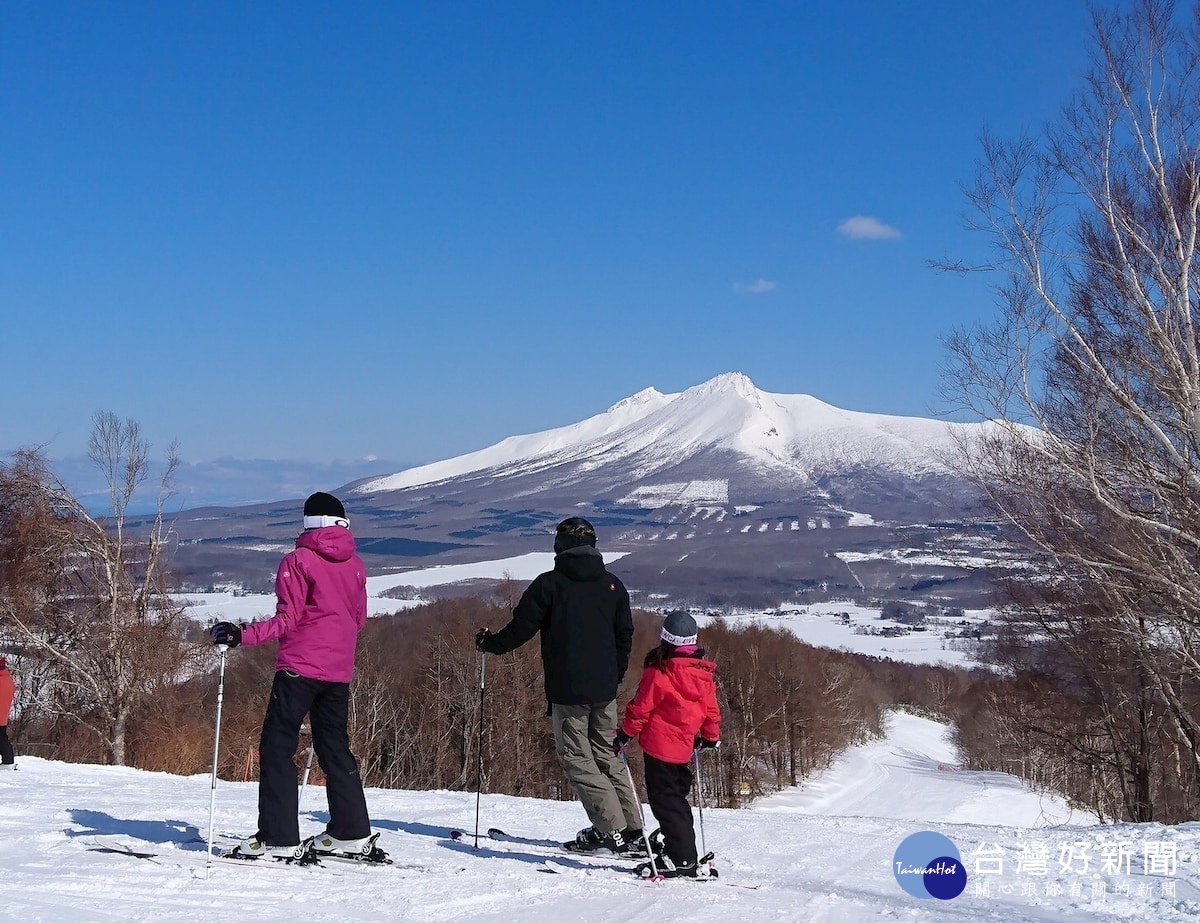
x=823 y=852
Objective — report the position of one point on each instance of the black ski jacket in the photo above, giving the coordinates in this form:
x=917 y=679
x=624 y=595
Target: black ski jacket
x=583 y=614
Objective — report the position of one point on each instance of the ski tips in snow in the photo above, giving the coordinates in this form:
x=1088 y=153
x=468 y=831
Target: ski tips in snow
x=102 y=844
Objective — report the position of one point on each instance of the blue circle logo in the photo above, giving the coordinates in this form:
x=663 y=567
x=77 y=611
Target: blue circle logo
x=928 y=864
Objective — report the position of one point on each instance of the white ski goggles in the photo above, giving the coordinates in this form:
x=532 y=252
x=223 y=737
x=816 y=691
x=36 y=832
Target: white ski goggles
x=320 y=522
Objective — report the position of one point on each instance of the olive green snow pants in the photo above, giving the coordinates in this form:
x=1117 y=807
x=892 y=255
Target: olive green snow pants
x=583 y=737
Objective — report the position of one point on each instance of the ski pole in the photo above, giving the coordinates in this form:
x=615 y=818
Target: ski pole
x=307 y=770
x=700 y=803
x=642 y=816
x=212 y=797
x=479 y=745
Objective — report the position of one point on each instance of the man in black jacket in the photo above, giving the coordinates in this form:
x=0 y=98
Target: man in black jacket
x=582 y=612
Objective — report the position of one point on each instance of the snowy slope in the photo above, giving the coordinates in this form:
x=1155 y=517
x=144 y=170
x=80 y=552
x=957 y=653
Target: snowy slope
x=793 y=435
x=823 y=853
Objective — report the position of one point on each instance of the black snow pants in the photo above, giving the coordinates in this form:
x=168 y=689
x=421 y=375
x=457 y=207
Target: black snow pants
x=6 y=750
x=327 y=706
x=667 y=787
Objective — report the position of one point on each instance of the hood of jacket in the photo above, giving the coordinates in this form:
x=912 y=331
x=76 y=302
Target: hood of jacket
x=692 y=676
x=582 y=563
x=334 y=543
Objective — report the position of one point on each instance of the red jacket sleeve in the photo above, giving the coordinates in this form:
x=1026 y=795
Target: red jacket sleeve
x=711 y=728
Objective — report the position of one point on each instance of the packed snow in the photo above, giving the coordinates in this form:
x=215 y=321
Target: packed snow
x=823 y=852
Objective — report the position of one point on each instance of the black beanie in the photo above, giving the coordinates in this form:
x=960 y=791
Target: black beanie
x=572 y=533
x=323 y=504
x=322 y=509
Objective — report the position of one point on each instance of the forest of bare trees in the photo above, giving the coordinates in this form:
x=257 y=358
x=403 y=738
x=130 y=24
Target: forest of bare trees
x=789 y=708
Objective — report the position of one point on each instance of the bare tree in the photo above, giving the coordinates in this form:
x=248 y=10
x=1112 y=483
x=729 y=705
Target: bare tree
x=1096 y=223
x=88 y=595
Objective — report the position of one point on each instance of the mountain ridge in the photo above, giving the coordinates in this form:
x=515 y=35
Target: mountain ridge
x=796 y=436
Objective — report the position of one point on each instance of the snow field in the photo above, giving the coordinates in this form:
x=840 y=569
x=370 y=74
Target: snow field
x=819 y=853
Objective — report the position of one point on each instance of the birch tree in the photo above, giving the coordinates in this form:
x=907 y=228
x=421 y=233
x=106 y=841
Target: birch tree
x=1091 y=370
x=86 y=595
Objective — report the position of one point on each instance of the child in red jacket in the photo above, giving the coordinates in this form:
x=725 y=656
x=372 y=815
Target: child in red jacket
x=674 y=712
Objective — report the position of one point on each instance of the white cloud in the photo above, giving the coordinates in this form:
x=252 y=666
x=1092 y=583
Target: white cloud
x=866 y=227
x=757 y=287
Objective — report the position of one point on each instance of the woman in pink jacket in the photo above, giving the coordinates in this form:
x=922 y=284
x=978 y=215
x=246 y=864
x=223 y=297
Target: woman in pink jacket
x=322 y=605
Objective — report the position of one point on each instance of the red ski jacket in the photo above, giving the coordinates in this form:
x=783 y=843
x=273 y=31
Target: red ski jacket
x=673 y=704
x=8 y=690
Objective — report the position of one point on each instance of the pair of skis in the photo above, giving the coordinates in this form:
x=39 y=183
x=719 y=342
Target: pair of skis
x=306 y=855
x=558 y=866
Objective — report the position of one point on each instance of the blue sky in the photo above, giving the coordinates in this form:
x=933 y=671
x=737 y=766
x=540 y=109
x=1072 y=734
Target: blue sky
x=331 y=231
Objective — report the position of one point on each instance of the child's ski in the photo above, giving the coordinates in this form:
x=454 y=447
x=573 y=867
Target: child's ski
x=637 y=851
x=561 y=868
x=109 y=845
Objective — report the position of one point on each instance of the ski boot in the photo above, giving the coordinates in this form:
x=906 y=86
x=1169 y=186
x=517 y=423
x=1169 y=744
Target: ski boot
x=254 y=848
x=635 y=844
x=363 y=849
x=589 y=839
x=663 y=867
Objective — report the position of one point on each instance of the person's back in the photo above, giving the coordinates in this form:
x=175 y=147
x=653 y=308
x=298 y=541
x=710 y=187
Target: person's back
x=582 y=613
x=322 y=606
x=321 y=590
x=8 y=691
x=673 y=714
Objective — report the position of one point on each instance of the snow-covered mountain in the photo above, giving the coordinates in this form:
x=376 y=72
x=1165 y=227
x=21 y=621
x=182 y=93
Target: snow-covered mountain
x=719 y=495
x=788 y=439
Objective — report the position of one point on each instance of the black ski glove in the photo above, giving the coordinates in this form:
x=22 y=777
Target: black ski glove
x=620 y=741
x=481 y=638
x=702 y=744
x=226 y=633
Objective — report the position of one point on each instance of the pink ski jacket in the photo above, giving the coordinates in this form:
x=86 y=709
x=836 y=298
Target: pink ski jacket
x=322 y=606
